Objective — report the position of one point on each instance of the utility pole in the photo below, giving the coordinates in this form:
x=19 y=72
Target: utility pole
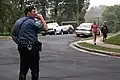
x=77 y=18
x=98 y=20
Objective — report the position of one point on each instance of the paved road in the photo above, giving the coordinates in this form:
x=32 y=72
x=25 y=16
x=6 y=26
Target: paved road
x=60 y=62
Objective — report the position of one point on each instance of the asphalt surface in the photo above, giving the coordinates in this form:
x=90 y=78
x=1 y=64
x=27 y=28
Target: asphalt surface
x=60 y=62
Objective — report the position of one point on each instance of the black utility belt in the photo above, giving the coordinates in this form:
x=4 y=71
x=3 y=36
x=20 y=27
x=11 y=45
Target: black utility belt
x=29 y=45
x=26 y=43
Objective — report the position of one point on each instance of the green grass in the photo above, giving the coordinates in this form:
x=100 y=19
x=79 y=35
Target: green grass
x=111 y=34
x=114 y=40
x=5 y=34
x=91 y=46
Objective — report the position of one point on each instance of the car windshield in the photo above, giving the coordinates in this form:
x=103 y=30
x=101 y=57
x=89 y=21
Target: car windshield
x=85 y=26
x=52 y=24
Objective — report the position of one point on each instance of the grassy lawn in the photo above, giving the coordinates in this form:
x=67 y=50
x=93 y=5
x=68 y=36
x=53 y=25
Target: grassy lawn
x=114 y=40
x=91 y=46
x=111 y=34
x=5 y=34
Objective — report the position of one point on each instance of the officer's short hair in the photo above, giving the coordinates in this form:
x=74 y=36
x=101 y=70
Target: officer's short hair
x=28 y=9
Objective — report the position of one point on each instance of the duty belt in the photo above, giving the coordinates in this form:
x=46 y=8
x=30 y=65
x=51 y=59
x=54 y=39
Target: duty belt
x=28 y=44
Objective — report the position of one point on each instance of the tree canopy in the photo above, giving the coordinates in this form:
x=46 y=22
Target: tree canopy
x=112 y=15
x=57 y=10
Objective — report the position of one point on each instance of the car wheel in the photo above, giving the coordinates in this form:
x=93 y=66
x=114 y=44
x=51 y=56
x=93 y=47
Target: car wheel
x=55 y=33
x=43 y=34
x=77 y=35
x=70 y=32
x=62 y=32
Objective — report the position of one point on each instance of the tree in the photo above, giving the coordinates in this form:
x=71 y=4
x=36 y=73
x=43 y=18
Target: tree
x=83 y=10
x=9 y=13
x=112 y=16
x=61 y=10
x=55 y=5
x=66 y=10
x=94 y=12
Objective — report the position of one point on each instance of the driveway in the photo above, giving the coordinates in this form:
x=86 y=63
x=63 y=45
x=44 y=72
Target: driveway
x=60 y=62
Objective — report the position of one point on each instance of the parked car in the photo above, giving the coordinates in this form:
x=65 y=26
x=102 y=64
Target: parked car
x=43 y=32
x=85 y=30
x=59 y=30
x=71 y=29
x=52 y=28
x=66 y=29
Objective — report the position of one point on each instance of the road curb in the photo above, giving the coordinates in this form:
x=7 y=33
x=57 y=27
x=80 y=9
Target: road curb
x=5 y=37
x=95 y=50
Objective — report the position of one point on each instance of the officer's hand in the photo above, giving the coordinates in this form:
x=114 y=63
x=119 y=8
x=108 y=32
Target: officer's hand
x=46 y=28
x=38 y=16
x=43 y=21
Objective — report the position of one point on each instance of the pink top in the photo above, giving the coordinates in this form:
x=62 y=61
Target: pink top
x=94 y=28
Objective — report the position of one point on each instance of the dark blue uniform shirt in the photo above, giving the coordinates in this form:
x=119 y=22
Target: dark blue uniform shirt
x=28 y=30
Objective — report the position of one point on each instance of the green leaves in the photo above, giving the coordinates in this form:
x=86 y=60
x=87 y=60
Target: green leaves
x=112 y=16
x=9 y=14
x=66 y=10
x=60 y=10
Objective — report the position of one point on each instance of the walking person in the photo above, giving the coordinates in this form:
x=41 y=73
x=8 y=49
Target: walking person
x=24 y=34
x=104 y=30
x=94 y=28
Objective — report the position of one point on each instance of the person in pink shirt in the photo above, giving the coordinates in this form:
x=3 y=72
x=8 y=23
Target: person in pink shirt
x=94 y=28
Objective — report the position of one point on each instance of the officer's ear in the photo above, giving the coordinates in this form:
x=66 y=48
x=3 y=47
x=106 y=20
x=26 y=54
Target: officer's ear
x=29 y=13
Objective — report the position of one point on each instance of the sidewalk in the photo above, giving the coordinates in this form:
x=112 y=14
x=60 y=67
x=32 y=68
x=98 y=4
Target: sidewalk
x=98 y=43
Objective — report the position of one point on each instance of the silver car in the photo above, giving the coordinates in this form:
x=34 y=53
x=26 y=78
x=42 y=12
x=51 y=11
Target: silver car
x=84 y=29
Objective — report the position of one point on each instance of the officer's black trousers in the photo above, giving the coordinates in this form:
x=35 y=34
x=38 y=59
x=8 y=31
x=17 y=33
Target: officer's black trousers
x=29 y=59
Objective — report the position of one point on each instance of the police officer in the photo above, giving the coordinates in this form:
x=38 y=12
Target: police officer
x=24 y=34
